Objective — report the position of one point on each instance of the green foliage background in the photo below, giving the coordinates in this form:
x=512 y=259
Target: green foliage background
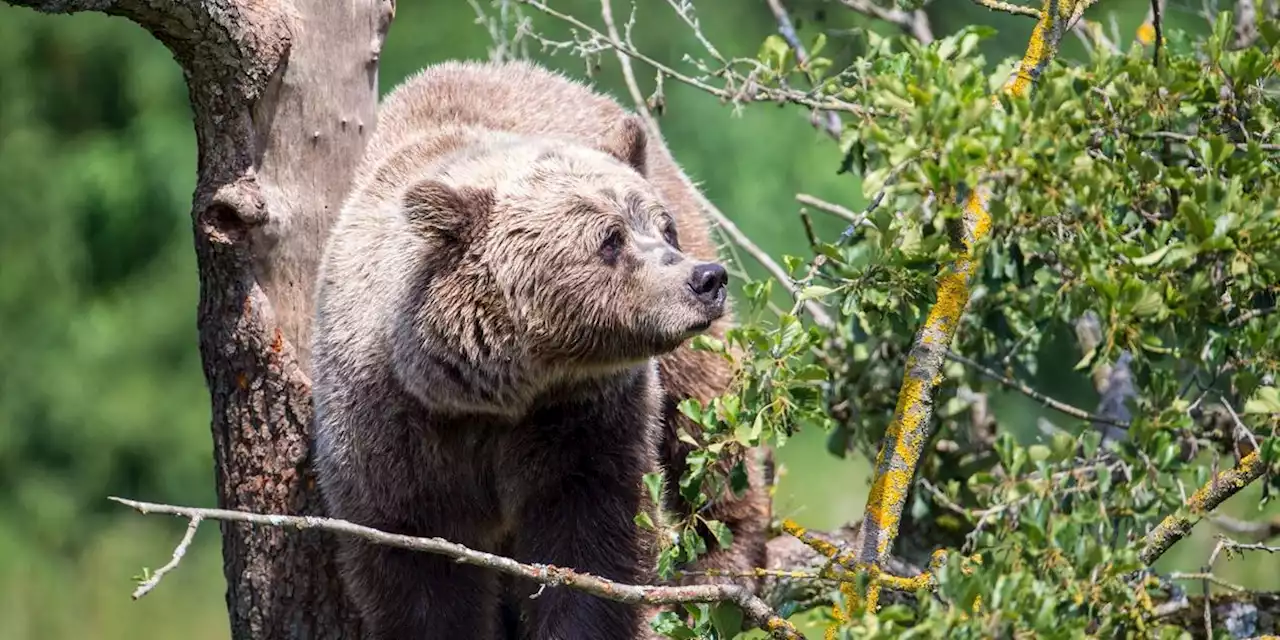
x=101 y=391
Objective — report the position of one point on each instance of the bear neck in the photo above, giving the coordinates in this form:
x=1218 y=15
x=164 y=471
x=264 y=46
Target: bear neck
x=448 y=382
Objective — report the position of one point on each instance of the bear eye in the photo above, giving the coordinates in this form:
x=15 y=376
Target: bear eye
x=669 y=233
x=611 y=246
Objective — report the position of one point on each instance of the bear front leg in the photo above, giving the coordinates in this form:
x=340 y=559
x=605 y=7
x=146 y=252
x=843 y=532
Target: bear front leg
x=413 y=595
x=585 y=524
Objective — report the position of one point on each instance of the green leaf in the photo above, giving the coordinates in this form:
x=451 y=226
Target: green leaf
x=726 y=617
x=1038 y=452
x=669 y=624
x=814 y=291
x=721 y=532
x=1153 y=258
x=774 y=52
x=653 y=482
x=1266 y=400
x=812 y=373
x=792 y=263
x=643 y=521
x=818 y=43
x=1149 y=303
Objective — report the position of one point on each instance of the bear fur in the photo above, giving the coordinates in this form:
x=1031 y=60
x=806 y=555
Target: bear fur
x=500 y=344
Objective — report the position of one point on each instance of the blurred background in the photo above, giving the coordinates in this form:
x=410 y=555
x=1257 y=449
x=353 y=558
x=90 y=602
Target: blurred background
x=101 y=392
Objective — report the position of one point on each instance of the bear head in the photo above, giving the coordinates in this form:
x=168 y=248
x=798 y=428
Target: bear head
x=546 y=262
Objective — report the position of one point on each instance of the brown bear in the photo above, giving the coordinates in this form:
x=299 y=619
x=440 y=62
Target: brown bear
x=500 y=343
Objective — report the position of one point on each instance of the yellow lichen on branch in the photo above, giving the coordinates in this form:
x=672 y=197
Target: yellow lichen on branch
x=911 y=427
x=1207 y=498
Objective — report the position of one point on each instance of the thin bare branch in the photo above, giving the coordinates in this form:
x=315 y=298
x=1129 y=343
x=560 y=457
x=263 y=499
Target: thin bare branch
x=752 y=93
x=178 y=552
x=1155 y=17
x=854 y=219
x=1009 y=7
x=1245 y=317
x=1206 y=577
x=628 y=72
x=1263 y=530
x=756 y=611
x=1092 y=35
x=1022 y=388
x=913 y=23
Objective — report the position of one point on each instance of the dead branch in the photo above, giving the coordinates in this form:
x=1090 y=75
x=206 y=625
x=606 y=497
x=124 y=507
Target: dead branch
x=759 y=614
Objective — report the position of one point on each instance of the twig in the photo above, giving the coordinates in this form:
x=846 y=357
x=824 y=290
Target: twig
x=1261 y=530
x=1185 y=138
x=1206 y=577
x=831 y=123
x=1156 y=19
x=832 y=208
x=628 y=73
x=178 y=552
x=914 y=23
x=1022 y=388
x=726 y=225
x=1228 y=545
x=684 y=8
x=1232 y=545
x=1009 y=7
x=757 y=93
x=756 y=611
x=1219 y=488
x=1092 y=35
x=1241 y=432
x=856 y=220
x=949 y=504
x=1245 y=317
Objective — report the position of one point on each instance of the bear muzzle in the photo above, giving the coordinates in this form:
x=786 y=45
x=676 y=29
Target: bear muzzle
x=709 y=284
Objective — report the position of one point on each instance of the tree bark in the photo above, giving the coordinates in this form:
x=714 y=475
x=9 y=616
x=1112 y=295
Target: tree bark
x=284 y=97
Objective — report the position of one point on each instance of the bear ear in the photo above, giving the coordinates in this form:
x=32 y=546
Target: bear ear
x=627 y=141
x=452 y=215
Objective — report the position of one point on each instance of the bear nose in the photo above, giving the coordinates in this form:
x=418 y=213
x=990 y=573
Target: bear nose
x=708 y=281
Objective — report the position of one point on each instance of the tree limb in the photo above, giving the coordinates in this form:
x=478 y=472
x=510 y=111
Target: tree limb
x=910 y=430
x=759 y=614
x=1219 y=488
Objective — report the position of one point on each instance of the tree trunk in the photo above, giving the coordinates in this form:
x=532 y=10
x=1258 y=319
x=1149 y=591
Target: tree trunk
x=284 y=97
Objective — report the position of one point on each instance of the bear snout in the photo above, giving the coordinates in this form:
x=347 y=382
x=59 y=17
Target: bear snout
x=708 y=282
